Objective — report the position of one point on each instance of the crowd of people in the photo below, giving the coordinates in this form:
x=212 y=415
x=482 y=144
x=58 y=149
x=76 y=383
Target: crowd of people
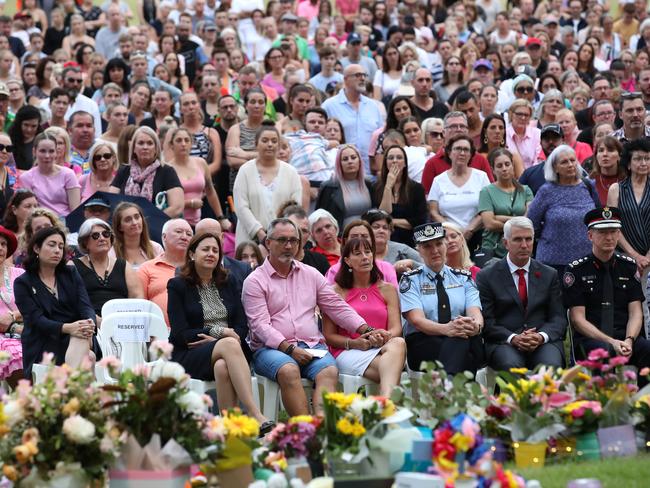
x=347 y=186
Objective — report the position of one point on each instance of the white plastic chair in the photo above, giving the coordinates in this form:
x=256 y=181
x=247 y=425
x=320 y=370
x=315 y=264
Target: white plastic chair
x=271 y=395
x=122 y=305
x=39 y=372
x=415 y=377
x=200 y=387
x=133 y=348
x=351 y=384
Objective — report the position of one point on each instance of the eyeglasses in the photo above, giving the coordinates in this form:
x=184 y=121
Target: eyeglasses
x=106 y=234
x=641 y=159
x=524 y=89
x=106 y=156
x=74 y=80
x=457 y=127
x=279 y=56
x=7 y=148
x=460 y=149
x=435 y=134
x=284 y=240
x=521 y=114
x=359 y=75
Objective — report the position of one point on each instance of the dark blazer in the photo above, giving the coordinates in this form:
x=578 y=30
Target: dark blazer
x=44 y=315
x=504 y=313
x=186 y=313
x=330 y=198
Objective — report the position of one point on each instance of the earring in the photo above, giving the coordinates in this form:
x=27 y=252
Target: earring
x=503 y=142
x=485 y=140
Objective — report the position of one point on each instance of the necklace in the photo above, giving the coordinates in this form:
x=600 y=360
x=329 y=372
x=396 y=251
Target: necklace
x=102 y=281
x=51 y=289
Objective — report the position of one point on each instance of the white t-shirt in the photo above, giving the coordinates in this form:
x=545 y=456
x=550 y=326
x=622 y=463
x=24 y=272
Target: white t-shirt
x=417 y=157
x=458 y=204
x=387 y=84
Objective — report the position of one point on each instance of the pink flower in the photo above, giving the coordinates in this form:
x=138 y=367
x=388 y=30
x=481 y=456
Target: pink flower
x=578 y=412
x=111 y=363
x=590 y=364
x=597 y=354
x=618 y=361
x=629 y=375
x=161 y=349
x=644 y=371
x=559 y=399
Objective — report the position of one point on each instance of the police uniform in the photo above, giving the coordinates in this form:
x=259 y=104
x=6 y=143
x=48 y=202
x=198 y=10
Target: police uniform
x=585 y=284
x=418 y=290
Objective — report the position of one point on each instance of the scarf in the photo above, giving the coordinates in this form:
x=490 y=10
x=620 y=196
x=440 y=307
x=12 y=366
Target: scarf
x=140 y=182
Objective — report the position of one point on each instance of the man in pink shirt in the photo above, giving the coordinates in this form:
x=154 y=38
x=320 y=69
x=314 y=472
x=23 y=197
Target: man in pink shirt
x=280 y=298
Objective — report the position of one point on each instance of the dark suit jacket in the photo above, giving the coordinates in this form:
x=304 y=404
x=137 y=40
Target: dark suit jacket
x=330 y=198
x=44 y=315
x=186 y=313
x=504 y=313
x=582 y=23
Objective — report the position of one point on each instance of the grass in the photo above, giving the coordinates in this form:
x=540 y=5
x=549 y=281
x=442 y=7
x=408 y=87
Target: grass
x=633 y=472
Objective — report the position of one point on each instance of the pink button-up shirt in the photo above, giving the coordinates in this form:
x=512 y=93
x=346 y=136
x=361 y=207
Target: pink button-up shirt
x=527 y=146
x=283 y=308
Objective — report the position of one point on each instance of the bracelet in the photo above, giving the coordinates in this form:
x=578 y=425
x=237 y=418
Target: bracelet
x=631 y=337
x=369 y=329
x=289 y=350
x=220 y=218
x=347 y=344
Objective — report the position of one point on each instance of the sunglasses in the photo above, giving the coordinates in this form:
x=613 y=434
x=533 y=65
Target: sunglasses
x=106 y=234
x=7 y=147
x=525 y=89
x=436 y=135
x=74 y=80
x=99 y=157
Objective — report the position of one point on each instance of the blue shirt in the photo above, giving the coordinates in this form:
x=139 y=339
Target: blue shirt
x=358 y=125
x=418 y=291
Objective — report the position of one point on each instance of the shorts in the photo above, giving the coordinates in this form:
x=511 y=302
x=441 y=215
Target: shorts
x=267 y=362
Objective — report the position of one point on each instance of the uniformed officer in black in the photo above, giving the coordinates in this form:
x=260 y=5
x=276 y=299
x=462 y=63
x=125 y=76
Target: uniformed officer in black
x=442 y=308
x=604 y=295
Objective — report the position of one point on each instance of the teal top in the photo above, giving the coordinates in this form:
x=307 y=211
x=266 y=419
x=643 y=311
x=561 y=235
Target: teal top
x=493 y=199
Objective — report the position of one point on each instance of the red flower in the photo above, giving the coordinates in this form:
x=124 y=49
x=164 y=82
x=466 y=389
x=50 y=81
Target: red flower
x=538 y=274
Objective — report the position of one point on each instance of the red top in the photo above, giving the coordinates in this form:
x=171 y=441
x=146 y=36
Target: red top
x=437 y=165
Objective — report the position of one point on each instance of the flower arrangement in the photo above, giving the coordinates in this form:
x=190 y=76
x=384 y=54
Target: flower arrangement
x=459 y=453
x=298 y=437
x=582 y=416
x=641 y=409
x=57 y=427
x=153 y=401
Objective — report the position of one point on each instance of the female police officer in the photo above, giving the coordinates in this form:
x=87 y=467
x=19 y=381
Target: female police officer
x=442 y=308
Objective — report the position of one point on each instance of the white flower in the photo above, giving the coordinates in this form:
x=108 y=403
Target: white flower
x=167 y=369
x=476 y=412
x=193 y=403
x=14 y=412
x=160 y=349
x=79 y=430
x=360 y=404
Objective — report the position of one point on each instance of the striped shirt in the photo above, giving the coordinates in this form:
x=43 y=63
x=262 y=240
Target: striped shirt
x=635 y=217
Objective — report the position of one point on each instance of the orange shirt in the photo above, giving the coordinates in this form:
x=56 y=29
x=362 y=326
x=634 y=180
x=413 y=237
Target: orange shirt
x=154 y=275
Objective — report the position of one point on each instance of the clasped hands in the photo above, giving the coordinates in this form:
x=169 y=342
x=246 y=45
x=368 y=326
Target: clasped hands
x=528 y=340
x=370 y=340
x=463 y=327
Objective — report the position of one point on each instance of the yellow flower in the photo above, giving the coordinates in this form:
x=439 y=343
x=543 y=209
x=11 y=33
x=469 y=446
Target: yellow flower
x=341 y=400
x=308 y=419
x=353 y=428
x=519 y=370
x=71 y=408
x=241 y=425
x=460 y=441
x=389 y=409
x=10 y=472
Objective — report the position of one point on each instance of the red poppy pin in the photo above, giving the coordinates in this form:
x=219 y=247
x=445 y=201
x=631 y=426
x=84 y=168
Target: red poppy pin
x=538 y=274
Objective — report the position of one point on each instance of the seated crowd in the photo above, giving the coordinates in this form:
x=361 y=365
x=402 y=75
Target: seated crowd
x=307 y=191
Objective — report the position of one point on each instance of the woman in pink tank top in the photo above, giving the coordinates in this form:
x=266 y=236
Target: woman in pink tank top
x=379 y=354
x=195 y=177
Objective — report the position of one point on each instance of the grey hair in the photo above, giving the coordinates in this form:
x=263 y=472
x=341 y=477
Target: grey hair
x=281 y=221
x=517 y=223
x=453 y=114
x=86 y=229
x=550 y=174
x=321 y=213
x=552 y=93
x=167 y=225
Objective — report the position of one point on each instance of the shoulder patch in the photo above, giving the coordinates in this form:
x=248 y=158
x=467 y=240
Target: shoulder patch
x=459 y=271
x=568 y=279
x=625 y=257
x=413 y=272
x=404 y=284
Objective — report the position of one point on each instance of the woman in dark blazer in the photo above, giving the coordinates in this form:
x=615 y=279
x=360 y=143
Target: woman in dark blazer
x=347 y=195
x=208 y=325
x=52 y=299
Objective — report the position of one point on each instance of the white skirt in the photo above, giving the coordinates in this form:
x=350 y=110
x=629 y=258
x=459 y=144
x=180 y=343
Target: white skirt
x=355 y=361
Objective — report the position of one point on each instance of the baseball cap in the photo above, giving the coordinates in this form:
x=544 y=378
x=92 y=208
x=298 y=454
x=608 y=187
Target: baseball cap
x=97 y=202
x=483 y=63
x=289 y=17
x=551 y=129
x=353 y=38
x=4 y=90
x=533 y=41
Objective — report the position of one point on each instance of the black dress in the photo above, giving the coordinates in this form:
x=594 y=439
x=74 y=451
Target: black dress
x=186 y=319
x=100 y=291
x=415 y=210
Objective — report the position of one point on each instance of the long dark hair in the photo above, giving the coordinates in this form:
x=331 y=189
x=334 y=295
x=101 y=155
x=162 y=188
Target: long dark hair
x=118 y=63
x=345 y=277
x=484 y=145
x=26 y=112
x=613 y=144
x=502 y=151
x=406 y=184
x=9 y=219
x=116 y=221
x=188 y=271
x=384 y=64
x=31 y=263
x=391 y=120
x=40 y=70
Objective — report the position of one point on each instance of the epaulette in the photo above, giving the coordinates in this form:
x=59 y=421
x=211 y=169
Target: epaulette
x=412 y=272
x=625 y=257
x=578 y=262
x=459 y=271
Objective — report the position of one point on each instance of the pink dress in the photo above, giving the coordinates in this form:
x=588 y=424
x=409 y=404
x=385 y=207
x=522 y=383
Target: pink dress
x=9 y=344
x=370 y=304
x=194 y=189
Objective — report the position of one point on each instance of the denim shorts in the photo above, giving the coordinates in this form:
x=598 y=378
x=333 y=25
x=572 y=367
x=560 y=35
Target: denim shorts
x=267 y=362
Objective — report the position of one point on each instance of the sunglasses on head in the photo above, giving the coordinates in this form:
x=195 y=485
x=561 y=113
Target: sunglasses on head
x=525 y=89
x=106 y=234
x=106 y=156
x=6 y=147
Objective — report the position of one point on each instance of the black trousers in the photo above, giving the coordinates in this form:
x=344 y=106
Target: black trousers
x=455 y=354
x=505 y=356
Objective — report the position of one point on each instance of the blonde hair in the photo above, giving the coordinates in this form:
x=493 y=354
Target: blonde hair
x=465 y=261
x=60 y=132
x=151 y=133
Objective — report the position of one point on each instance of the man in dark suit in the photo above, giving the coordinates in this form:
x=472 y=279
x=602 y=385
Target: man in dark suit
x=575 y=18
x=525 y=322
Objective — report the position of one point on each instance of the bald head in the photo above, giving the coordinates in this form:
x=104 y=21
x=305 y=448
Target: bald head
x=422 y=83
x=211 y=226
x=354 y=78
